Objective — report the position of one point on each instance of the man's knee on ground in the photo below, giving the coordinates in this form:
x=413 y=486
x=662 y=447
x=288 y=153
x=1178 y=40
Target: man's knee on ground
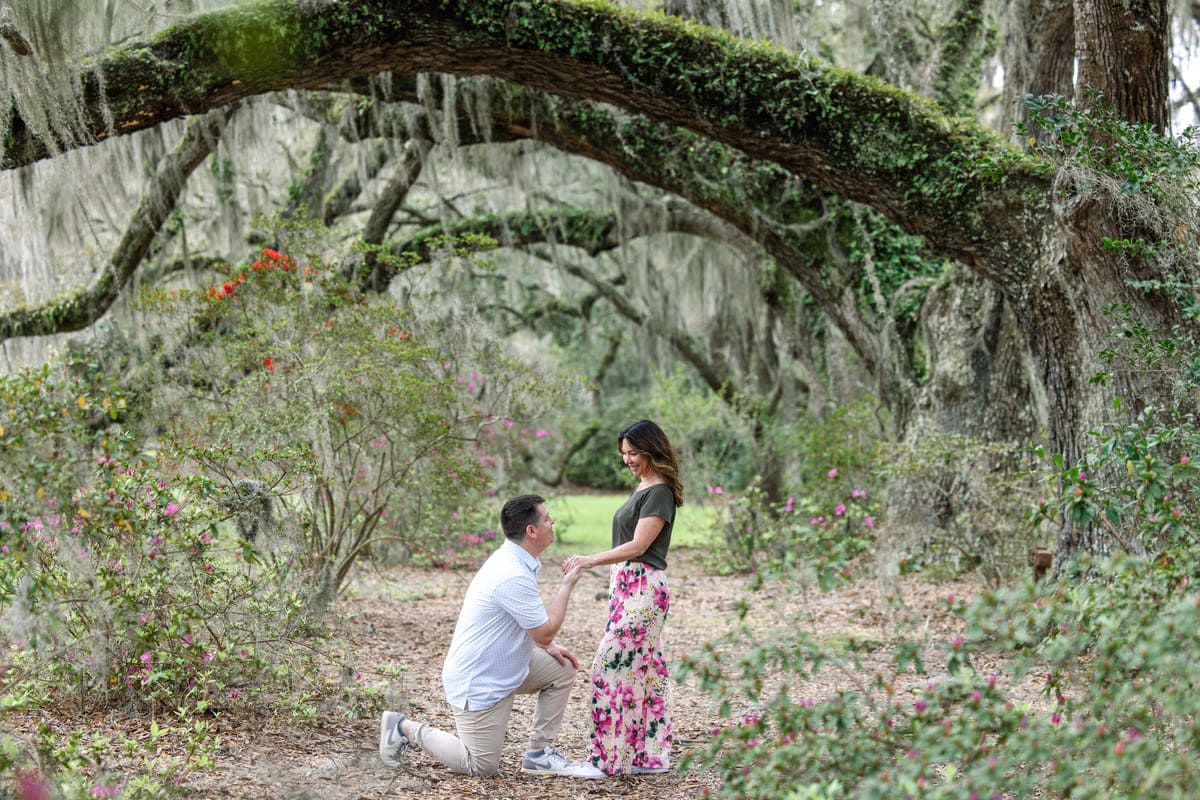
x=483 y=767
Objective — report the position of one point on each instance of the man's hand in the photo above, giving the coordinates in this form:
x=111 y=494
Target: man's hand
x=576 y=562
x=563 y=655
x=571 y=575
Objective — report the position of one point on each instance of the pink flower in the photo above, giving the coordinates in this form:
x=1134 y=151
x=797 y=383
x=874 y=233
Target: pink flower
x=171 y=509
x=832 y=473
x=541 y=433
x=841 y=509
x=146 y=657
x=791 y=503
x=869 y=522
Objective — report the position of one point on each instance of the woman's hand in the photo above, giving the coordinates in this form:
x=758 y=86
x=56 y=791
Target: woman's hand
x=577 y=562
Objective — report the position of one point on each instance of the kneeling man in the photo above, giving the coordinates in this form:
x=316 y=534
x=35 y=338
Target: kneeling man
x=503 y=645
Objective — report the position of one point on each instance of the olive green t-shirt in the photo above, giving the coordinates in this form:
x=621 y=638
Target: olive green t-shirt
x=653 y=501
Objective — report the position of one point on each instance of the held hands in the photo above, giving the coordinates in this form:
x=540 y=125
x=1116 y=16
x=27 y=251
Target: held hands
x=577 y=562
x=571 y=572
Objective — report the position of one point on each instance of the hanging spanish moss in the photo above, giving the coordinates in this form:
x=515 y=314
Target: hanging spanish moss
x=343 y=157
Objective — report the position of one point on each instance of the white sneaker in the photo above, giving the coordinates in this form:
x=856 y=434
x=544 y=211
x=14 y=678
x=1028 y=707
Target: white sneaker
x=392 y=742
x=551 y=762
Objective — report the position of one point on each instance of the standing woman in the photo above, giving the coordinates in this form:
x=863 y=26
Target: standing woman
x=631 y=690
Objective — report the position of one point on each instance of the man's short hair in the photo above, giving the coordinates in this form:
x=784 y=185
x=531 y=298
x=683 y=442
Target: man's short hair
x=519 y=512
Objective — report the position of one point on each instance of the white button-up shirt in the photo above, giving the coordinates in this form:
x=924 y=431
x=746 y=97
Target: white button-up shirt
x=490 y=651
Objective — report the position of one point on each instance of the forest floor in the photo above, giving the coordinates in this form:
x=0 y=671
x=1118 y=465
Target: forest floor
x=403 y=617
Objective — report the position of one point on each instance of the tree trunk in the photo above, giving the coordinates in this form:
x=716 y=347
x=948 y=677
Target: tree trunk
x=1121 y=47
x=1038 y=55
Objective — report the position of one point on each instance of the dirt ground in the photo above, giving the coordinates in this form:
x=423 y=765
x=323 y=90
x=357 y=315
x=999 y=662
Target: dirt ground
x=405 y=616
x=402 y=619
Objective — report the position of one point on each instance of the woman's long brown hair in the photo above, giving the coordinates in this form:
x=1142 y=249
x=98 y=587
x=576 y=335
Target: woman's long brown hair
x=646 y=437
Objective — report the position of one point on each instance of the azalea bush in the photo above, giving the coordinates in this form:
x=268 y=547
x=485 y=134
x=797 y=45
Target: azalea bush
x=822 y=537
x=365 y=424
x=121 y=586
x=52 y=424
x=1105 y=663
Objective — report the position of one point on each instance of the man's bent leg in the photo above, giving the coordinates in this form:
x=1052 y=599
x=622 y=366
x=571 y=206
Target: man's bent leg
x=552 y=681
x=476 y=750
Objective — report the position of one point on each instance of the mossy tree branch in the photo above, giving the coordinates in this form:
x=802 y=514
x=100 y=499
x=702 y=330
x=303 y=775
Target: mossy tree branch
x=850 y=135
x=786 y=216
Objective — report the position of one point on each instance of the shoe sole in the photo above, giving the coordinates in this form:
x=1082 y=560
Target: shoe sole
x=548 y=774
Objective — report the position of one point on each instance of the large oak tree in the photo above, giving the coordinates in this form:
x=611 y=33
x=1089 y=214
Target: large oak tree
x=1034 y=239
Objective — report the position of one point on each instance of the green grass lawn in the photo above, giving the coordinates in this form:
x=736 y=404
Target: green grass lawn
x=583 y=522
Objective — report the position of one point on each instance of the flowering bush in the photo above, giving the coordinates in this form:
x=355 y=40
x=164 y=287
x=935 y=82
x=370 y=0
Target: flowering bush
x=363 y=422
x=799 y=533
x=51 y=423
x=126 y=590
x=1114 y=654
x=1136 y=488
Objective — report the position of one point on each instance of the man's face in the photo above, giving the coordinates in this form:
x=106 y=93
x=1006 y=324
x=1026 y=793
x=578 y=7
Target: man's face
x=545 y=527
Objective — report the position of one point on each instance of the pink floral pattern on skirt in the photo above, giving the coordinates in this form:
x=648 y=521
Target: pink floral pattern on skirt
x=631 y=686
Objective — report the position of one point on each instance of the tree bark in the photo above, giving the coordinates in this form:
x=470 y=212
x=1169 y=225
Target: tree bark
x=1122 y=50
x=1038 y=55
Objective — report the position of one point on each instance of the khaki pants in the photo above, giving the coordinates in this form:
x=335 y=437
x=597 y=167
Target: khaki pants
x=475 y=751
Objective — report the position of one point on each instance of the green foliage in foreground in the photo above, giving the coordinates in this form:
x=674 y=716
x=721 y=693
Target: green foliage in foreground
x=1115 y=656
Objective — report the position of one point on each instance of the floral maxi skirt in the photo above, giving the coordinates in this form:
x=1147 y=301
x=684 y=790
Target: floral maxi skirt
x=631 y=688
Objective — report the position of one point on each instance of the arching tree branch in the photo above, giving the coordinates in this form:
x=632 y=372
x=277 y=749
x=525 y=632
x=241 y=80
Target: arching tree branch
x=850 y=135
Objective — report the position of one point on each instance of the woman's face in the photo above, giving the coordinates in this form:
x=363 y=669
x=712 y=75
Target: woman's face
x=637 y=461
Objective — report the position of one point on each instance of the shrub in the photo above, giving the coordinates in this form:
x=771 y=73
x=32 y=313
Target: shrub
x=1113 y=652
x=799 y=534
x=131 y=593
x=359 y=418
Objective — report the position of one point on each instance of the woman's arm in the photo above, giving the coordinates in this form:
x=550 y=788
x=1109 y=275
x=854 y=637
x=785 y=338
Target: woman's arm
x=644 y=534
